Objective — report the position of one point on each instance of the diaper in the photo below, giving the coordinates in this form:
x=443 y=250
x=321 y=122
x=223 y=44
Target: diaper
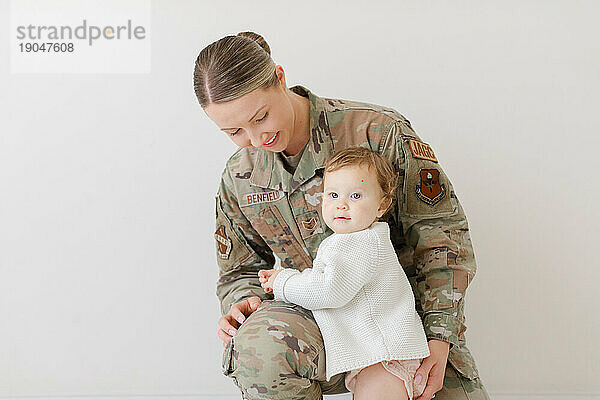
x=403 y=369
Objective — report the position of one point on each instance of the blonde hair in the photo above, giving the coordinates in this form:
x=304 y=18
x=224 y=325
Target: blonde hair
x=362 y=156
x=232 y=67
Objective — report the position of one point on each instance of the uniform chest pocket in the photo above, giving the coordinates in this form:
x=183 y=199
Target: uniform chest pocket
x=269 y=223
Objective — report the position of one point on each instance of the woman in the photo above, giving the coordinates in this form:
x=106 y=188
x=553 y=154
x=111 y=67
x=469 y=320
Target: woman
x=268 y=205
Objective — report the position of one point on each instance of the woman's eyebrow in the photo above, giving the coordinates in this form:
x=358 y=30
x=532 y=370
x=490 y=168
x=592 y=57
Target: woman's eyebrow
x=251 y=118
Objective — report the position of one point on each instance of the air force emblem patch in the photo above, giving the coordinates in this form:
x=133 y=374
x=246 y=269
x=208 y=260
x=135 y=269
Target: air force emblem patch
x=430 y=191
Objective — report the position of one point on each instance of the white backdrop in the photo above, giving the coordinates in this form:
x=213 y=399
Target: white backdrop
x=107 y=184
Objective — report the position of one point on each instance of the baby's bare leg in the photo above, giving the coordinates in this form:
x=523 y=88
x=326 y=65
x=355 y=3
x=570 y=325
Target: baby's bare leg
x=376 y=383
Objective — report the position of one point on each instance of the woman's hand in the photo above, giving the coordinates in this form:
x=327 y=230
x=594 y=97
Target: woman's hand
x=237 y=314
x=267 y=277
x=433 y=368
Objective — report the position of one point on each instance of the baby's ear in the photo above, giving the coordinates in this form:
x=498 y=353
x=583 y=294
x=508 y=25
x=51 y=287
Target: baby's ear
x=386 y=202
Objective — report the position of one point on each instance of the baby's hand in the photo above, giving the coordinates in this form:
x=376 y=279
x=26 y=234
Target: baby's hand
x=266 y=278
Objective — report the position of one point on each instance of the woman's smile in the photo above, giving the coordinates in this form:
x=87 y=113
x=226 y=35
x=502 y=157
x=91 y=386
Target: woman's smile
x=273 y=141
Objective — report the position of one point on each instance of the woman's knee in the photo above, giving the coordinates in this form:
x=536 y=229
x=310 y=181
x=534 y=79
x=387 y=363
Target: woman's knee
x=278 y=340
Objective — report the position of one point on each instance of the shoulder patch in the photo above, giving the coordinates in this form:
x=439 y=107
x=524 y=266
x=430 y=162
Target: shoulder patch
x=421 y=150
x=430 y=190
x=223 y=243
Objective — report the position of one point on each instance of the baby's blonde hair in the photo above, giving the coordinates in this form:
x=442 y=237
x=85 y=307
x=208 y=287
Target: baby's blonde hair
x=362 y=156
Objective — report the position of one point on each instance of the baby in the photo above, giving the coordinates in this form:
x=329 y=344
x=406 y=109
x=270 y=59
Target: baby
x=360 y=296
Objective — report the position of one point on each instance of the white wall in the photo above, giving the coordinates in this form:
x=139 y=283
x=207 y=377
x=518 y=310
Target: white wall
x=107 y=183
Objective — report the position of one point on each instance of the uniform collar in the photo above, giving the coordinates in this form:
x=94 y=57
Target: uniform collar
x=269 y=171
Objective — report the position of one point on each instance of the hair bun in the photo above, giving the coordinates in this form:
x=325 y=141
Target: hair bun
x=258 y=39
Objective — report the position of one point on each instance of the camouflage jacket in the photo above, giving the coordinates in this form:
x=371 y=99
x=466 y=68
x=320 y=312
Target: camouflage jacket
x=263 y=210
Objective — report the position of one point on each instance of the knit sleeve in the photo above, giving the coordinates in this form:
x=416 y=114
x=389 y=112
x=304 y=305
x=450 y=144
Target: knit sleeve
x=348 y=264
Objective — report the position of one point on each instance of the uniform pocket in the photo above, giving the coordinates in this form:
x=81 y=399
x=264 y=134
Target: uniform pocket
x=227 y=361
x=461 y=359
x=273 y=228
x=231 y=248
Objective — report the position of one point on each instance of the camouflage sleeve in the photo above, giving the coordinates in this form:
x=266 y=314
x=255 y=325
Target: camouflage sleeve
x=435 y=235
x=241 y=252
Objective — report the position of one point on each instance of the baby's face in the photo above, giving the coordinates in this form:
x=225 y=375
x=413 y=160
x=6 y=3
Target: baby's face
x=352 y=199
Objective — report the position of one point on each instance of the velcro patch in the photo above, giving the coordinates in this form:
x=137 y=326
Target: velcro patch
x=430 y=190
x=251 y=199
x=310 y=224
x=223 y=242
x=421 y=150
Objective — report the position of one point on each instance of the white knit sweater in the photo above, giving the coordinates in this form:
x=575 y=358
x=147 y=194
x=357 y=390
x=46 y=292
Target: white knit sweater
x=361 y=299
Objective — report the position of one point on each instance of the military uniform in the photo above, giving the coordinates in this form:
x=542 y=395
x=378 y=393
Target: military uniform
x=263 y=209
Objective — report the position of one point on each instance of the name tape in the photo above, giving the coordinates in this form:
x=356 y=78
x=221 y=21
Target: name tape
x=251 y=199
x=421 y=150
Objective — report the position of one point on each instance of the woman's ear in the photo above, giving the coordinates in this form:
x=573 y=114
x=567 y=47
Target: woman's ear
x=386 y=202
x=281 y=75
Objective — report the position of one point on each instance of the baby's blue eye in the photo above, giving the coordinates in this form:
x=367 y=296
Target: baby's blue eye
x=333 y=195
x=355 y=196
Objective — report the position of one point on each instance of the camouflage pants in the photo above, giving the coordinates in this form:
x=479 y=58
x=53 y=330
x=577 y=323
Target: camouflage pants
x=278 y=353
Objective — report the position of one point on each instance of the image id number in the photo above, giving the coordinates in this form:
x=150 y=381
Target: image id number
x=47 y=47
